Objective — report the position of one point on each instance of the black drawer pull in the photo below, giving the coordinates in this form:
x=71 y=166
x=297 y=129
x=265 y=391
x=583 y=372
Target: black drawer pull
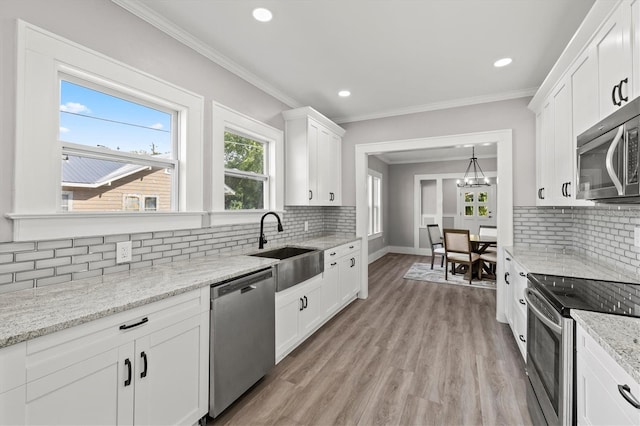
x=142 y=321
x=506 y=277
x=306 y=302
x=521 y=301
x=522 y=274
x=127 y=362
x=301 y=304
x=143 y=355
x=334 y=263
x=625 y=391
x=522 y=339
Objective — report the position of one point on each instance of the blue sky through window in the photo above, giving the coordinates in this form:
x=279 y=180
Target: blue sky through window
x=89 y=117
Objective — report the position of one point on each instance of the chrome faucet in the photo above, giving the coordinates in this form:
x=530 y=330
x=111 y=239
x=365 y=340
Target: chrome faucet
x=263 y=239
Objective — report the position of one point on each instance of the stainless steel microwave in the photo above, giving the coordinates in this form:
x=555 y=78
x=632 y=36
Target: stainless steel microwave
x=608 y=158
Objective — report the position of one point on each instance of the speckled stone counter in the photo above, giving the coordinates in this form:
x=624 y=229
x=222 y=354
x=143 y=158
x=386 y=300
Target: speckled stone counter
x=618 y=335
x=565 y=264
x=27 y=314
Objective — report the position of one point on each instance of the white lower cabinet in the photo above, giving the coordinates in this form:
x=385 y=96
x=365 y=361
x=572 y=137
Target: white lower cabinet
x=299 y=311
x=302 y=309
x=516 y=306
x=145 y=366
x=600 y=385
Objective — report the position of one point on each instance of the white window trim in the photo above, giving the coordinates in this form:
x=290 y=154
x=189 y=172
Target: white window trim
x=227 y=119
x=379 y=234
x=69 y=194
x=42 y=58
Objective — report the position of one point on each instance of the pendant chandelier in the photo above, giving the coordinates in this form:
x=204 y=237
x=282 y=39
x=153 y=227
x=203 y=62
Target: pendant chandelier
x=473 y=177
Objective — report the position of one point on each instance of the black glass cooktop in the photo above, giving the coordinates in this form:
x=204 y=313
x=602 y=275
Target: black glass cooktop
x=566 y=293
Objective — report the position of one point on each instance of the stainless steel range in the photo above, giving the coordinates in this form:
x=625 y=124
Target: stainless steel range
x=551 y=342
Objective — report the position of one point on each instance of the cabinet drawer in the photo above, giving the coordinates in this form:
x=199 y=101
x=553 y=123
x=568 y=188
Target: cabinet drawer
x=12 y=366
x=348 y=249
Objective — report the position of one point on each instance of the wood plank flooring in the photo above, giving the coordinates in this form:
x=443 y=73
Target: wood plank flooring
x=413 y=353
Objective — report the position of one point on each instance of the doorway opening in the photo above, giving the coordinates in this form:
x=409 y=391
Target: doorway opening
x=504 y=197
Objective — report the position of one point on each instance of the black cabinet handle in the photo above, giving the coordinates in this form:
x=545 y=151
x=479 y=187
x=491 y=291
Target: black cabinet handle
x=127 y=362
x=305 y=303
x=310 y=194
x=506 y=276
x=351 y=247
x=331 y=196
x=143 y=355
x=301 y=304
x=625 y=391
x=334 y=263
x=332 y=254
x=508 y=258
x=622 y=98
x=142 y=321
x=353 y=262
x=522 y=274
x=613 y=96
x=521 y=301
x=541 y=193
x=539 y=196
x=522 y=339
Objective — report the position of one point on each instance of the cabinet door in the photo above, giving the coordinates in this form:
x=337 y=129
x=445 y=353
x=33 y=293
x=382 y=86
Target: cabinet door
x=508 y=280
x=563 y=145
x=330 y=287
x=314 y=135
x=584 y=92
x=349 y=277
x=167 y=379
x=312 y=313
x=12 y=406
x=289 y=304
x=613 y=49
x=334 y=169
x=545 y=152
x=598 y=399
x=520 y=332
x=324 y=178
x=95 y=391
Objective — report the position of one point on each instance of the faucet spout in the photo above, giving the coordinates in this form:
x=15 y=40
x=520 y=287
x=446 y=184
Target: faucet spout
x=263 y=239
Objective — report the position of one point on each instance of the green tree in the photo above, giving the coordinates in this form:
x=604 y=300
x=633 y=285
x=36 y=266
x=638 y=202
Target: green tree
x=243 y=155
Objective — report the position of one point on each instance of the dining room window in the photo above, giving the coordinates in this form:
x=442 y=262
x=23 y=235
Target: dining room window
x=375 y=202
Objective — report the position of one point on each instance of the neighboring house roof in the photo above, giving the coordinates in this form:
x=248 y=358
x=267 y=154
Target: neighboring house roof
x=93 y=173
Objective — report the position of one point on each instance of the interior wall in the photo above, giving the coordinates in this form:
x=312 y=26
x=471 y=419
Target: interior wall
x=401 y=179
x=381 y=167
x=107 y=28
x=510 y=114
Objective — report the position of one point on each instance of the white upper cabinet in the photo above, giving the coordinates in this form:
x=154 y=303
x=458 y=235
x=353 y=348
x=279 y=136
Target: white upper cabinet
x=593 y=84
x=613 y=49
x=313 y=159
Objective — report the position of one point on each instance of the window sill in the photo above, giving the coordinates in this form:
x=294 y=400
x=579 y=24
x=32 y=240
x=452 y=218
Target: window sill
x=239 y=217
x=28 y=227
x=375 y=236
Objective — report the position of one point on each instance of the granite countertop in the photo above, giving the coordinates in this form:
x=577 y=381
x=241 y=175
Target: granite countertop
x=27 y=314
x=618 y=335
x=565 y=264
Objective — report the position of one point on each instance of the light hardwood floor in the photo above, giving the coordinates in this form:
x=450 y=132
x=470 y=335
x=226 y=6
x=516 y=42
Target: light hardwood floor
x=413 y=353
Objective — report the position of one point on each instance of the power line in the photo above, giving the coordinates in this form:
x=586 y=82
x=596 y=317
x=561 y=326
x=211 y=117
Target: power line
x=115 y=121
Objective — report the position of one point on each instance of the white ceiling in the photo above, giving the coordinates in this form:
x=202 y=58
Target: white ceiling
x=395 y=56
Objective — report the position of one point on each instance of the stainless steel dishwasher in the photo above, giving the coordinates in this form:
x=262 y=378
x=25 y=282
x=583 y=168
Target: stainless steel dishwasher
x=242 y=344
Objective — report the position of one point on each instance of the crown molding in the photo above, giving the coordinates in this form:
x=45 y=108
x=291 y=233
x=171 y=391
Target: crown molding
x=455 y=103
x=391 y=162
x=147 y=14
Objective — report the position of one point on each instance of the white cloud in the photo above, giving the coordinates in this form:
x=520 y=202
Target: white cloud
x=157 y=126
x=75 y=107
x=63 y=130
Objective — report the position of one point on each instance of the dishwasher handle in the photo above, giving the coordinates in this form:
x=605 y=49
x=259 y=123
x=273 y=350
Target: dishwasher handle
x=243 y=284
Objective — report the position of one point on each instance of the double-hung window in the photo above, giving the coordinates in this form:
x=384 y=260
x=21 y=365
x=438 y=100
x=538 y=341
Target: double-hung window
x=113 y=145
x=245 y=172
x=93 y=131
x=375 y=202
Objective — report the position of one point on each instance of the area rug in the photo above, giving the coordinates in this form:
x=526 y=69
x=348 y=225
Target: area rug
x=423 y=272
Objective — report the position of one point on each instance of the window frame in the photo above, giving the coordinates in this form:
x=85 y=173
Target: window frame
x=42 y=58
x=371 y=176
x=227 y=119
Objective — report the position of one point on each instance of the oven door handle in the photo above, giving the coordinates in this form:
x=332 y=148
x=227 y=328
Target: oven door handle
x=609 y=160
x=555 y=327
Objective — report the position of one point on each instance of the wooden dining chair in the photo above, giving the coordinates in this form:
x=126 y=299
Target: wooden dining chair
x=457 y=246
x=490 y=257
x=435 y=241
x=489 y=231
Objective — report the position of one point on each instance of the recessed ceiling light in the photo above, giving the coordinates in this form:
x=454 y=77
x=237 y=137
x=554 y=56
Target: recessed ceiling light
x=344 y=93
x=502 y=62
x=467 y=146
x=263 y=15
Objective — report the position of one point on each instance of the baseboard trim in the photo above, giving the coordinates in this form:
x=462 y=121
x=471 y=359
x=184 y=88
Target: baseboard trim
x=378 y=254
x=410 y=250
